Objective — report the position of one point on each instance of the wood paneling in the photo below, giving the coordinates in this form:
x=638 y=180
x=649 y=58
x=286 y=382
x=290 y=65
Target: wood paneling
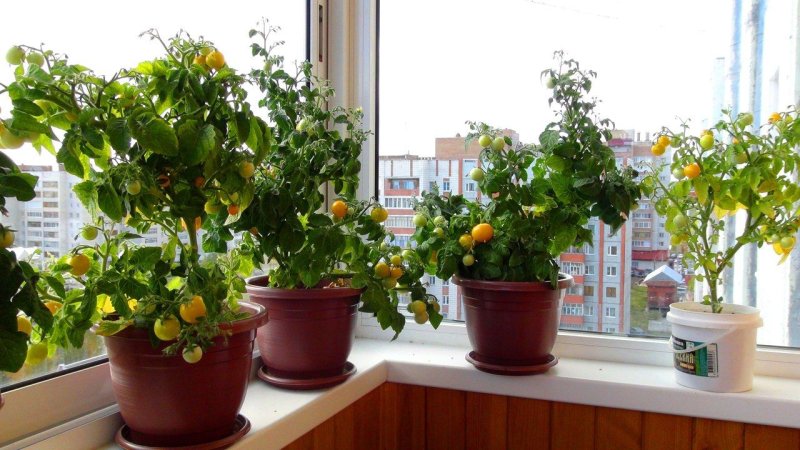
x=763 y=437
x=528 y=424
x=572 y=426
x=402 y=417
x=618 y=429
x=666 y=432
x=717 y=435
x=486 y=421
x=405 y=417
x=445 y=419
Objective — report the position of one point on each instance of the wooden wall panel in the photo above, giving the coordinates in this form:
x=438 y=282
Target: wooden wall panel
x=528 y=424
x=405 y=417
x=666 y=432
x=618 y=429
x=445 y=423
x=572 y=426
x=717 y=435
x=486 y=420
x=763 y=437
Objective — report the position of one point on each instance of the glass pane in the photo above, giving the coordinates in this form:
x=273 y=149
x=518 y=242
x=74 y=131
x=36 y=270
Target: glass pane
x=656 y=61
x=105 y=37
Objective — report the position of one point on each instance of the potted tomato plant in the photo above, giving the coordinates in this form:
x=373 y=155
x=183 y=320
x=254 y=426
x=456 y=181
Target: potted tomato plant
x=25 y=320
x=155 y=146
x=732 y=167
x=536 y=202
x=322 y=266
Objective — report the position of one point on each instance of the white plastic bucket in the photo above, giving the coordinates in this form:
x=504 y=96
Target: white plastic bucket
x=714 y=352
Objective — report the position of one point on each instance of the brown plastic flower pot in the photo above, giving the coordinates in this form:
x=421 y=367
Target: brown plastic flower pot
x=306 y=342
x=167 y=402
x=512 y=326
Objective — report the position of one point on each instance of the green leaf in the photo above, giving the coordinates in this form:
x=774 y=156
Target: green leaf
x=155 y=135
x=118 y=135
x=13 y=349
x=22 y=121
x=27 y=106
x=86 y=192
x=112 y=327
x=18 y=185
x=109 y=202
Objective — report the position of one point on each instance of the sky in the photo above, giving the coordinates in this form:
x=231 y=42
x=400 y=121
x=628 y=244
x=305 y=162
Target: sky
x=104 y=35
x=448 y=61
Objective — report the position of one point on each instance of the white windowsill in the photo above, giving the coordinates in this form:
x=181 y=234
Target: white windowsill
x=279 y=417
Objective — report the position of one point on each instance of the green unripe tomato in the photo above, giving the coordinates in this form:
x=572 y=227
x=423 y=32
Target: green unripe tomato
x=35 y=58
x=439 y=232
x=745 y=119
x=420 y=220
x=89 y=233
x=468 y=260
x=485 y=140
x=439 y=221
x=498 y=144
x=551 y=83
x=675 y=239
x=707 y=141
x=476 y=174
x=741 y=157
x=134 y=187
x=680 y=221
x=15 y=55
x=408 y=254
x=678 y=173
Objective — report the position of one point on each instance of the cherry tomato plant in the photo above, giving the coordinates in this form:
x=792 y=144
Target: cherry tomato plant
x=25 y=321
x=732 y=167
x=314 y=148
x=154 y=145
x=536 y=199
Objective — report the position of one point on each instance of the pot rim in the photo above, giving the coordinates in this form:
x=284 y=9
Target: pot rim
x=256 y=286
x=564 y=282
x=257 y=319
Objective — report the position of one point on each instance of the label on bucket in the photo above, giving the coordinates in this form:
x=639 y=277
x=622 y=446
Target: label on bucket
x=701 y=362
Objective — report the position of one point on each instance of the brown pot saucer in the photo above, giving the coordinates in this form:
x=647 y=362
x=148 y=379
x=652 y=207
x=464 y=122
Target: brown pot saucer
x=498 y=369
x=306 y=384
x=242 y=427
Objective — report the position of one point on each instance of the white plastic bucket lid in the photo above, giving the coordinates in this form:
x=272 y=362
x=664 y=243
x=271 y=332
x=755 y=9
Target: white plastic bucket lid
x=694 y=314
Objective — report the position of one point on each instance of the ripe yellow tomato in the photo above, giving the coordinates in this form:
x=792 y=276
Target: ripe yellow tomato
x=774 y=117
x=53 y=306
x=692 y=171
x=465 y=241
x=396 y=272
x=194 y=310
x=379 y=214
x=418 y=307
x=200 y=60
x=382 y=270
x=390 y=283
x=247 y=169
x=482 y=232
x=80 y=264
x=396 y=260
x=167 y=329
x=6 y=239
x=215 y=60
x=664 y=141
x=421 y=318
x=339 y=209
x=658 y=149
x=24 y=325
x=36 y=354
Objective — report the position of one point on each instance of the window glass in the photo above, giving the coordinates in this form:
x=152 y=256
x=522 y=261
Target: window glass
x=657 y=60
x=106 y=38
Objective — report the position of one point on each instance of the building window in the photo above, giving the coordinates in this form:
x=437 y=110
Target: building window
x=590 y=269
x=446 y=185
x=572 y=268
x=612 y=250
x=611 y=311
x=588 y=310
x=611 y=292
x=432 y=280
x=398 y=202
x=572 y=309
x=611 y=271
x=445 y=300
x=469 y=187
x=588 y=290
x=588 y=249
x=445 y=282
x=403 y=183
x=575 y=289
x=50 y=184
x=641 y=224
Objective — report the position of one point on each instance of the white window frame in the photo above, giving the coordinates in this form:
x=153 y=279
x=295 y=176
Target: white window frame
x=615 y=249
x=612 y=268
